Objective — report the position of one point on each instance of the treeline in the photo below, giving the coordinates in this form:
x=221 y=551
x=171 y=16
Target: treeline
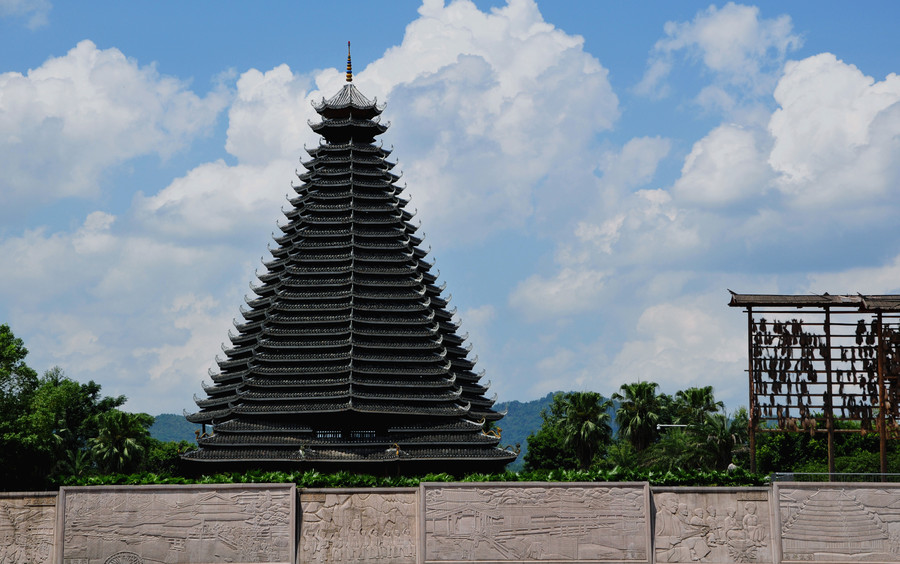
x=656 y=432
x=57 y=431
x=54 y=429
x=689 y=431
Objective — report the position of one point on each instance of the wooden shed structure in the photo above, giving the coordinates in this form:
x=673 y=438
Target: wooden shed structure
x=817 y=360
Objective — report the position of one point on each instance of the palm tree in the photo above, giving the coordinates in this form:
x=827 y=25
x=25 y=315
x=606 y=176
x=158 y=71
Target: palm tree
x=75 y=463
x=693 y=405
x=619 y=454
x=121 y=440
x=727 y=438
x=586 y=422
x=638 y=413
x=676 y=448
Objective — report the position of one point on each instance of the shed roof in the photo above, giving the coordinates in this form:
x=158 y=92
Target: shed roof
x=873 y=302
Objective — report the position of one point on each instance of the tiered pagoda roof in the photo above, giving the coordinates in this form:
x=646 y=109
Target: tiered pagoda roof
x=348 y=358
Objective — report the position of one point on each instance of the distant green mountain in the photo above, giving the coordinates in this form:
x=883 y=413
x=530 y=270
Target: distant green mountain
x=170 y=427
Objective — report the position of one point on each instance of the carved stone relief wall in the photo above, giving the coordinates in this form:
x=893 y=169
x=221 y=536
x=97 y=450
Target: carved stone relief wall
x=366 y=525
x=27 y=525
x=239 y=523
x=712 y=525
x=527 y=522
x=441 y=523
x=839 y=522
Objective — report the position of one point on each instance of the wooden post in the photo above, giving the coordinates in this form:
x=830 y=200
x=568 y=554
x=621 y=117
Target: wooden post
x=752 y=415
x=829 y=403
x=882 y=401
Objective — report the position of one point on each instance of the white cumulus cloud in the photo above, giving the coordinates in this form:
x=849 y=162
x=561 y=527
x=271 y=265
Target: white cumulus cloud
x=724 y=167
x=694 y=342
x=215 y=201
x=569 y=291
x=268 y=118
x=741 y=48
x=491 y=104
x=875 y=279
x=36 y=11
x=835 y=133
x=64 y=123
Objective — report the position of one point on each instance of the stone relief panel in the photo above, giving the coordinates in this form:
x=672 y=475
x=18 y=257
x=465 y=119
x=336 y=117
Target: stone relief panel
x=239 y=523
x=839 y=522
x=27 y=525
x=712 y=526
x=367 y=525
x=528 y=522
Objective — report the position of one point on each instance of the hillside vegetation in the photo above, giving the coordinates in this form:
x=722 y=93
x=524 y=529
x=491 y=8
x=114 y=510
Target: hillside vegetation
x=171 y=427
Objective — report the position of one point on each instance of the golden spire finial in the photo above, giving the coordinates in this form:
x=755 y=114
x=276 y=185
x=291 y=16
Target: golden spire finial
x=349 y=67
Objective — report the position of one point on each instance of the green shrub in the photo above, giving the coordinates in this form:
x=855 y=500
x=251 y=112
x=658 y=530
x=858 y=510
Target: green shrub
x=313 y=479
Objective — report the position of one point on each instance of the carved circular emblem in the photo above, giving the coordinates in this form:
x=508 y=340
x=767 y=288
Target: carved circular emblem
x=124 y=558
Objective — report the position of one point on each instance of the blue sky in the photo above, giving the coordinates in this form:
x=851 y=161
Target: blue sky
x=590 y=176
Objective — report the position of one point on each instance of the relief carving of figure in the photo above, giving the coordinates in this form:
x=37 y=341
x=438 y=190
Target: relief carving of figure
x=716 y=535
x=670 y=532
x=744 y=538
x=753 y=531
x=683 y=534
x=732 y=529
x=694 y=532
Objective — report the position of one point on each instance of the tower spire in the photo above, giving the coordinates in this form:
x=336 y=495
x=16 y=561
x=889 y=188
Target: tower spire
x=349 y=66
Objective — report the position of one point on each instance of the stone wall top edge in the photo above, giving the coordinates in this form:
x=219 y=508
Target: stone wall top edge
x=555 y=562
x=175 y=487
x=8 y=495
x=708 y=489
x=358 y=490
x=536 y=484
x=826 y=485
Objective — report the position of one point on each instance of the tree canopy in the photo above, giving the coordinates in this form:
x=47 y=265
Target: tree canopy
x=547 y=447
x=575 y=430
x=52 y=427
x=689 y=431
x=17 y=380
x=639 y=413
x=122 y=440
